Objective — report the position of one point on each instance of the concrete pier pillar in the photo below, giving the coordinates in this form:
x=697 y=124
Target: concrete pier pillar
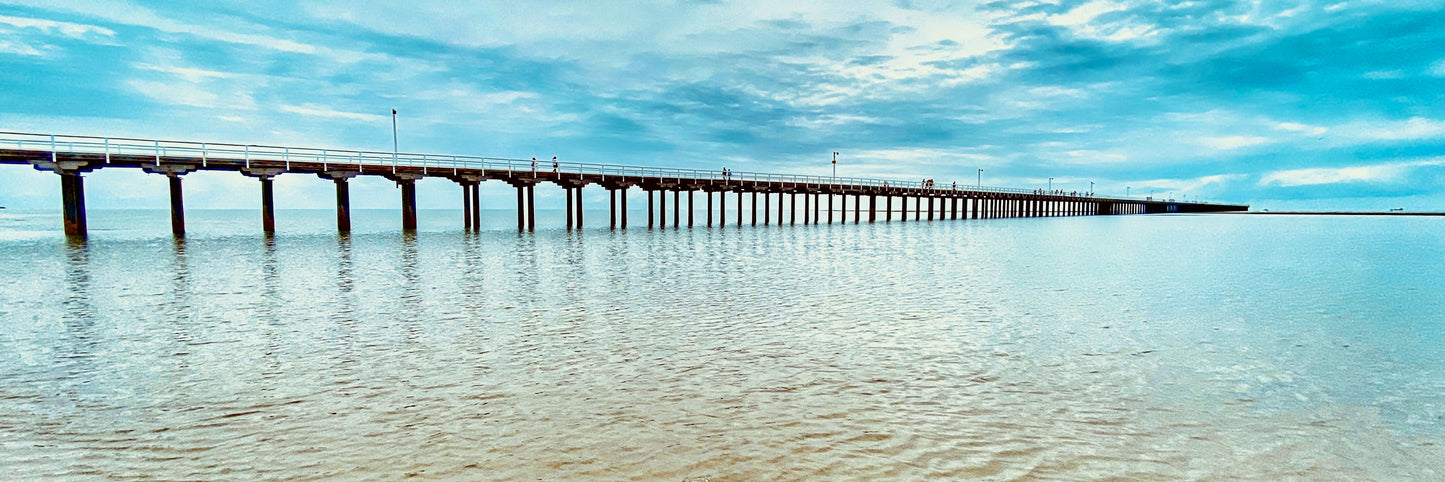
x=476 y=190
x=612 y=208
x=792 y=208
x=780 y=209
x=623 y=194
x=690 y=208
x=676 y=209
x=268 y=206
x=531 y=207
x=662 y=209
x=830 y=208
x=887 y=208
x=343 y=205
x=408 y=203
x=178 y=207
x=708 y=195
x=72 y=194
x=740 y=209
x=651 y=215
x=755 y=208
x=466 y=207
x=767 y=209
x=817 y=207
x=568 y=206
x=805 y=209
x=521 y=208
x=857 y=209
x=578 y=210
x=918 y=209
x=722 y=209
x=872 y=208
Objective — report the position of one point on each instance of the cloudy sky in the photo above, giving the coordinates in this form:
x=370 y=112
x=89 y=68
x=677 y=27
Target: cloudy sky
x=1335 y=104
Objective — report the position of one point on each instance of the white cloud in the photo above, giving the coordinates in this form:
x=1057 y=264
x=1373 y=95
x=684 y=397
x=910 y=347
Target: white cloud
x=17 y=48
x=131 y=14
x=1438 y=68
x=1301 y=128
x=1379 y=173
x=319 y=111
x=192 y=75
x=1226 y=143
x=72 y=30
x=1415 y=128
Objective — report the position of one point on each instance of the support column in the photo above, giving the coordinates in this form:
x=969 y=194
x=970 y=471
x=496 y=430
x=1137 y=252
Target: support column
x=72 y=193
x=662 y=209
x=755 y=209
x=857 y=208
x=178 y=208
x=722 y=209
x=612 y=208
x=578 y=207
x=466 y=207
x=709 y=207
x=521 y=208
x=805 y=209
x=676 y=209
x=830 y=208
x=531 y=207
x=623 y=195
x=930 y=208
x=740 y=209
x=767 y=208
x=268 y=207
x=408 y=203
x=568 y=206
x=817 y=204
x=343 y=205
x=690 y=208
x=872 y=208
x=888 y=208
x=477 y=205
x=780 y=209
x=651 y=216
x=792 y=208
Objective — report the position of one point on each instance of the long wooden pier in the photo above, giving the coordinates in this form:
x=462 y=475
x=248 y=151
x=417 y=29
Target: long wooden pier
x=72 y=156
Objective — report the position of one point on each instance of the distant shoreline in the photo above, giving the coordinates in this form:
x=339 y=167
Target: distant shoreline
x=1340 y=213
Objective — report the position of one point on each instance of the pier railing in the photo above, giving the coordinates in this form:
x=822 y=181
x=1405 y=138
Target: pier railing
x=203 y=152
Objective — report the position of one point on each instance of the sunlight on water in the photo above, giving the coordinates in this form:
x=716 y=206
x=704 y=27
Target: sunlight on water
x=1139 y=347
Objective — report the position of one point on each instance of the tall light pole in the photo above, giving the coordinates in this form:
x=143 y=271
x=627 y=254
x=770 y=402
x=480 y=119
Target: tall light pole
x=835 y=167
x=1091 y=187
x=1051 y=184
x=1126 y=191
x=980 y=178
x=393 y=136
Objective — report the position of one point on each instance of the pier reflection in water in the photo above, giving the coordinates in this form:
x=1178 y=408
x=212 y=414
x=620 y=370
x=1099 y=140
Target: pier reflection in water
x=1254 y=346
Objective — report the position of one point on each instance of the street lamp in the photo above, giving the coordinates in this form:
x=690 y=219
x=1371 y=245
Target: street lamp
x=393 y=136
x=1091 y=188
x=980 y=178
x=1051 y=184
x=835 y=167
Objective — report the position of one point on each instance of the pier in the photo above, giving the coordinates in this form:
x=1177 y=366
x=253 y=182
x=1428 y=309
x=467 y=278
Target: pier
x=71 y=157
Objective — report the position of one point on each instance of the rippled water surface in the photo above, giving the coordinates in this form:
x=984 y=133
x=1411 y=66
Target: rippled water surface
x=1138 y=347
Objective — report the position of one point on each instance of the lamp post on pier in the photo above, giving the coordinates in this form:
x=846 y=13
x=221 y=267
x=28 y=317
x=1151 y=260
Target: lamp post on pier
x=1051 y=184
x=835 y=167
x=393 y=137
x=980 y=178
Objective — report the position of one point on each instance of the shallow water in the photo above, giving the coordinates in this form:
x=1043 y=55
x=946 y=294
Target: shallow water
x=1141 y=347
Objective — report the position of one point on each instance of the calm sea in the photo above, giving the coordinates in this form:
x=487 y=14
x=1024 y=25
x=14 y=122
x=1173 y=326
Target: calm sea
x=1136 y=347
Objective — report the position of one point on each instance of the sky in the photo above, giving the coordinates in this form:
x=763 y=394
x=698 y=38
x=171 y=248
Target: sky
x=1328 y=105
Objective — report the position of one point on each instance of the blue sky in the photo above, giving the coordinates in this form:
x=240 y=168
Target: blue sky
x=1283 y=105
